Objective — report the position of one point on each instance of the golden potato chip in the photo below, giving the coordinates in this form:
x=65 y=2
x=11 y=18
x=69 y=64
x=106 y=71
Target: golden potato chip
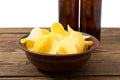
x=47 y=44
x=27 y=43
x=37 y=42
x=73 y=43
x=69 y=29
x=66 y=47
x=34 y=34
x=77 y=38
x=22 y=41
x=57 y=28
x=45 y=31
x=88 y=44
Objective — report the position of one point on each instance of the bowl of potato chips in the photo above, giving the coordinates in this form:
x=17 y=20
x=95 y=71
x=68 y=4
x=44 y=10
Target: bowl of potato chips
x=58 y=50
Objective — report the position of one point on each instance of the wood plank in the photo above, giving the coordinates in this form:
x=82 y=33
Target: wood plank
x=104 y=61
x=90 y=69
x=27 y=30
x=16 y=30
x=62 y=78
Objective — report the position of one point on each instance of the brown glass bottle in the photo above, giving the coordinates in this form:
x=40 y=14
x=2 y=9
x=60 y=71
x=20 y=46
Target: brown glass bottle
x=68 y=13
x=90 y=17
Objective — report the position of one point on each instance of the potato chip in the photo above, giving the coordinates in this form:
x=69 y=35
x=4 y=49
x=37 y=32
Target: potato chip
x=69 y=29
x=80 y=42
x=73 y=43
x=57 y=28
x=37 y=42
x=23 y=41
x=88 y=44
x=77 y=38
x=45 y=31
x=46 y=44
x=66 y=47
x=27 y=43
x=34 y=34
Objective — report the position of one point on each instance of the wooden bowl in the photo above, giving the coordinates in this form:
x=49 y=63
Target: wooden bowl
x=59 y=63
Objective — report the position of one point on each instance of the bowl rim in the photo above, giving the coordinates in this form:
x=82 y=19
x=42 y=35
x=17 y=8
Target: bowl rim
x=95 y=40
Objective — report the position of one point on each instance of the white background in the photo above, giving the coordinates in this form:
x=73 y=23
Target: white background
x=42 y=13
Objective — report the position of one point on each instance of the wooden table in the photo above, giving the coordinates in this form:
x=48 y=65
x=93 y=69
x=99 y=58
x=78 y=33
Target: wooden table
x=103 y=65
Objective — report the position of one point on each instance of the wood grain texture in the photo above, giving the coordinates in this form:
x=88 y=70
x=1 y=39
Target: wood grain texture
x=60 y=78
x=15 y=30
x=103 y=65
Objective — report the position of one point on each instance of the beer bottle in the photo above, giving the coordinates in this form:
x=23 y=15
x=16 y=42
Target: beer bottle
x=68 y=13
x=90 y=17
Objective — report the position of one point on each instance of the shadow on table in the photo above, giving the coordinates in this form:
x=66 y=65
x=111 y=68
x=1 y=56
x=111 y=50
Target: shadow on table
x=64 y=75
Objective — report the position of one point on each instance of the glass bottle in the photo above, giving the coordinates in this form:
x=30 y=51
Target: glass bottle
x=68 y=13
x=90 y=17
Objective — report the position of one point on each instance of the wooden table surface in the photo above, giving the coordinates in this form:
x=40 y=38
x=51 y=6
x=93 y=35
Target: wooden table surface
x=103 y=65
